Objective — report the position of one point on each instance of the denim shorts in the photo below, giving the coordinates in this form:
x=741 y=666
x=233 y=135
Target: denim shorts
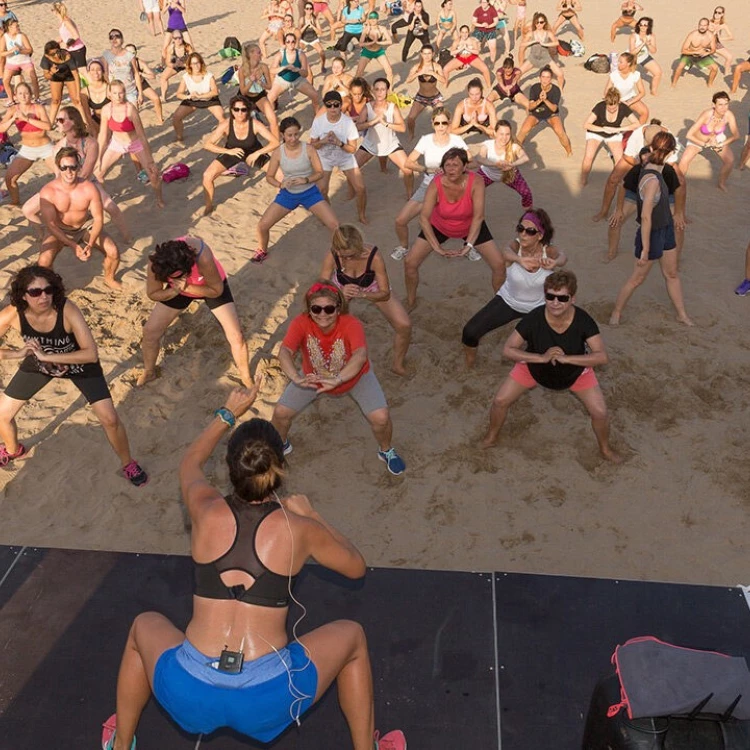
x=662 y=239
x=258 y=702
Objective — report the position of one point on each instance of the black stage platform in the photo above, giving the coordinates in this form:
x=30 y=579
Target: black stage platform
x=470 y=660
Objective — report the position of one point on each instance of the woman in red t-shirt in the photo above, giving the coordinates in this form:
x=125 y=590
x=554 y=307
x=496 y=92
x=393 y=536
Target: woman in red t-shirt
x=334 y=361
x=453 y=208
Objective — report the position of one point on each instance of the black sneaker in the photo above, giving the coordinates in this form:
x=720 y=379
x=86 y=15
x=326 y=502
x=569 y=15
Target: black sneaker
x=135 y=474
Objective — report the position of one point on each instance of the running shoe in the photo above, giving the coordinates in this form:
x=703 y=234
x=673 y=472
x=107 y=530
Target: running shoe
x=287 y=447
x=399 y=253
x=259 y=257
x=743 y=289
x=135 y=474
x=6 y=458
x=394 y=740
x=393 y=461
x=109 y=729
x=473 y=255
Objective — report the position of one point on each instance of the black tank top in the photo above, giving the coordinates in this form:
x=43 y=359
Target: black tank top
x=364 y=280
x=661 y=216
x=247 y=144
x=57 y=341
x=269 y=589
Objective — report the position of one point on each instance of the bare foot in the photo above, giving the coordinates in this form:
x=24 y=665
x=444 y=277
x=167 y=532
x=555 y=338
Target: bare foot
x=160 y=203
x=208 y=210
x=488 y=442
x=723 y=188
x=112 y=284
x=145 y=377
x=598 y=217
x=399 y=370
x=363 y=219
x=686 y=321
x=584 y=182
x=411 y=304
x=614 y=319
x=609 y=455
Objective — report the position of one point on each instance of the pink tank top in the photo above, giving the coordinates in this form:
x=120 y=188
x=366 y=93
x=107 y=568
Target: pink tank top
x=453 y=219
x=195 y=276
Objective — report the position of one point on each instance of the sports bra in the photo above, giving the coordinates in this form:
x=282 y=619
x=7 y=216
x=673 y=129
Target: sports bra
x=364 y=280
x=195 y=276
x=426 y=78
x=122 y=126
x=96 y=107
x=268 y=589
x=23 y=126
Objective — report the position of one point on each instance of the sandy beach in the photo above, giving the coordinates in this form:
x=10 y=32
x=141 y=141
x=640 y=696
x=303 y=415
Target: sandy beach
x=543 y=500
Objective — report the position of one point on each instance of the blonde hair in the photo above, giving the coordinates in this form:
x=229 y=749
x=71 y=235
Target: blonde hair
x=347 y=237
x=60 y=8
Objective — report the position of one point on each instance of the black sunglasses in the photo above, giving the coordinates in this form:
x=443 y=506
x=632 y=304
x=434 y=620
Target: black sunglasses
x=68 y=167
x=559 y=297
x=115 y=36
x=440 y=122
x=327 y=309
x=531 y=231
x=333 y=105
x=38 y=291
x=239 y=109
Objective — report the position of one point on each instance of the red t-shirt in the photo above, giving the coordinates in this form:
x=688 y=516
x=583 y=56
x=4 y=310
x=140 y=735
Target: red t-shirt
x=485 y=17
x=326 y=354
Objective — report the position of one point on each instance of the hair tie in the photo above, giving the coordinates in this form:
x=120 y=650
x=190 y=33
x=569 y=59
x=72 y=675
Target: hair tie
x=534 y=219
x=318 y=286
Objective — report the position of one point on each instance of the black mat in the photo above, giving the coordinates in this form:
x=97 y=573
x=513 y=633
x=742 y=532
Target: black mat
x=556 y=637
x=67 y=613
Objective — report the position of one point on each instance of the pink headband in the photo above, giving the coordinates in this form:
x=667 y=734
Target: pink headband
x=534 y=219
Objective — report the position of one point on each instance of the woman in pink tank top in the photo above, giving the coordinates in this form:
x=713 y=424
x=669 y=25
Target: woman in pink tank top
x=181 y=271
x=453 y=208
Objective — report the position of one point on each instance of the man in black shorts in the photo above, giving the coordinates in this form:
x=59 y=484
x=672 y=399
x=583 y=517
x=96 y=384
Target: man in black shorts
x=57 y=344
x=555 y=346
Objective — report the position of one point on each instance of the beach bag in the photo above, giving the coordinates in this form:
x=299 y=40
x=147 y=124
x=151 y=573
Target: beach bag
x=444 y=57
x=7 y=154
x=660 y=679
x=577 y=48
x=399 y=100
x=143 y=17
x=598 y=63
x=231 y=48
x=564 y=48
x=228 y=76
x=395 y=8
x=179 y=171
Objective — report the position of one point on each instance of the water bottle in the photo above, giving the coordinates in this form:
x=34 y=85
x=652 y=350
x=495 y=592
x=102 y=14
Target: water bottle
x=613 y=60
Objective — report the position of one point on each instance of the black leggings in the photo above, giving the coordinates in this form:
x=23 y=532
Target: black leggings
x=410 y=39
x=400 y=24
x=495 y=314
x=343 y=43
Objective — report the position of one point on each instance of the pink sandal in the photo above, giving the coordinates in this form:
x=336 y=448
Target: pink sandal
x=6 y=458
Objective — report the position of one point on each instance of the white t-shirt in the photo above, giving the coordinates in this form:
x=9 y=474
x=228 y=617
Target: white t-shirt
x=637 y=141
x=345 y=130
x=627 y=86
x=433 y=155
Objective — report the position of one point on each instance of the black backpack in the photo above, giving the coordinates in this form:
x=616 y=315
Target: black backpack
x=597 y=64
x=231 y=42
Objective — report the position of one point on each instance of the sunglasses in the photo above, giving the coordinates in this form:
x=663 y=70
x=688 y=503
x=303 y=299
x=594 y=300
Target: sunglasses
x=559 y=297
x=239 y=109
x=68 y=167
x=531 y=231
x=38 y=291
x=327 y=309
x=115 y=36
x=333 y=105
x=440 y=122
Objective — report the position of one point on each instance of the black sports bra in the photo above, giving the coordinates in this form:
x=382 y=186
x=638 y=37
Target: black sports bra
x=367 y=278
x=426 y=78
x=268 y=589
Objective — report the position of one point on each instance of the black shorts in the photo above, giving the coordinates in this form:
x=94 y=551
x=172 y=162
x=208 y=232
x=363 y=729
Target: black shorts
x=484 y=235
x=25 y=385
x=230 y=160
x=181 y=302
x=78 y=56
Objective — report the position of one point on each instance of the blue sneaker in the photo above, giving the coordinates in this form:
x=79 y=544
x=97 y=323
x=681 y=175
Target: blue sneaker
x=287 y=447
x=743 y=289
x=393 y=461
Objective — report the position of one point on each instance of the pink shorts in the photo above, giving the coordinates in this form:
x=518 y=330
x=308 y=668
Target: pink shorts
x=522 y=375
x=12 y=68
x=120 y=147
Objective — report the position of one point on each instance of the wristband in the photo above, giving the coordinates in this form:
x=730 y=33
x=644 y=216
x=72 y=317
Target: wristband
x=469 y=245
x=226 y=416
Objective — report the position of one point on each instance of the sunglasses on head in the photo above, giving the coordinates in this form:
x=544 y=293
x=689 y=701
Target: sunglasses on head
x=559 y=297
x=531 y=231
x=333 y=105
x=239 y=109
x=68 y=167
x=38 y=291
x=327 y=309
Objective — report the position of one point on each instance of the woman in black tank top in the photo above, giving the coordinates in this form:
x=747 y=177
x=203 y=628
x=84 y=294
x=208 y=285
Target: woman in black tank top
x=235 y=665
x=58 y=344
x=240 y=133
x=359 y=271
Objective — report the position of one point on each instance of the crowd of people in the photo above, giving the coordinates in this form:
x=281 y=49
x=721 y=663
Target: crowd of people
x=446 y=177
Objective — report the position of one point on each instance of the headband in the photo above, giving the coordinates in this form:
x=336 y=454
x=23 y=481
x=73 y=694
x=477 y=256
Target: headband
x=318 y=287
x=534 y=219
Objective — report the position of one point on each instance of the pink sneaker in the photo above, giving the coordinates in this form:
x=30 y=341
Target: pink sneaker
x=394 y=740
x=109 y=729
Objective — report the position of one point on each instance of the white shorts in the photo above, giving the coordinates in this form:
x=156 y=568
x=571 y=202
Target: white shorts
x=421 y=191
x=34 y=153
x=343 y=160
x=616 y=138
x=285 y=85
x=151 y=6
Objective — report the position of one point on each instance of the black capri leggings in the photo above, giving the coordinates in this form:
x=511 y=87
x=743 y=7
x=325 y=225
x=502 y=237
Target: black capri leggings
x=343 y=43
x=495 y=314
x=410 y=39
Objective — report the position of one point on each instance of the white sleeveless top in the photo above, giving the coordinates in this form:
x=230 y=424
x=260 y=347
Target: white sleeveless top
x=523 y=290
x=16 y=42
x=380 y=140
x=495 y=174
x=299 y=167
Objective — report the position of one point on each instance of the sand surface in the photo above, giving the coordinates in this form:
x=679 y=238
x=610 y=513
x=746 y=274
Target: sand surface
x=542 y=500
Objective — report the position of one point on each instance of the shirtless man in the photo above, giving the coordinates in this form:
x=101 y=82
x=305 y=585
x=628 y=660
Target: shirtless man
x=698 y=49
x=73 y=215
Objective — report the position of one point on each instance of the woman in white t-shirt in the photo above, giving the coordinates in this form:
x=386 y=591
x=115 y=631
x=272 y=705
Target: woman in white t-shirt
x=431 y=148
x=197 y=90
x=627 y=80
x=381 y=121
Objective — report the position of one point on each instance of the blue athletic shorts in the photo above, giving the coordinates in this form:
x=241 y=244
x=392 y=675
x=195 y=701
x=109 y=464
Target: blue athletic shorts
x=258 y=702
x=661 y=239
x=308 y=198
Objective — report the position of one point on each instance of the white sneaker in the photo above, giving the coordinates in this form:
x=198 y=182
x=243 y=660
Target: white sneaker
x=473 y=254
x=399 y=252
